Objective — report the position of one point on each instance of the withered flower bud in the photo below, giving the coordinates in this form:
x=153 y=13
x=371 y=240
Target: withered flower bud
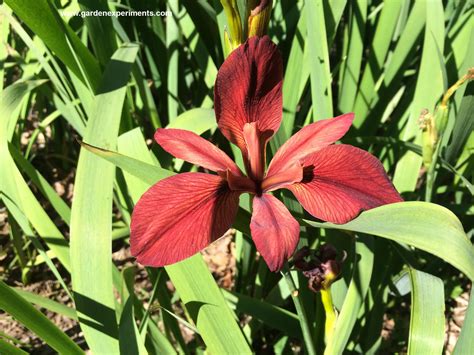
x=429 y=135
x=320 y=266
x=259 y=17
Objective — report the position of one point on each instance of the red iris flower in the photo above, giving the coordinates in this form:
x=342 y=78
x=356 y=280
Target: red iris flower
x=182 y=214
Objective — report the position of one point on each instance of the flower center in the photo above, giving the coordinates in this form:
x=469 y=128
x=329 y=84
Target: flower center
x=255 y=157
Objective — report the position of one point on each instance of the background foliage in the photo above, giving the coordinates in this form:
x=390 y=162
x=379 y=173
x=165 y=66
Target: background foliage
x=111 y=81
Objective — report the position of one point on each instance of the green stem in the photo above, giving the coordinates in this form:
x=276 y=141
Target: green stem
x=305 y=327
x=431 y=173
x=330 y=314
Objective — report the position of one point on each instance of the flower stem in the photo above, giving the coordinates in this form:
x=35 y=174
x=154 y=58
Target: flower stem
x=330 y=314
x=305 y=327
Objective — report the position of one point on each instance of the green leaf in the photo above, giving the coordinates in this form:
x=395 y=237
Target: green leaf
x=91 y=213
x=205 y=22
x=423 y=225
x=333 y=17
x=379 y=48
x=42 y=184
x=173 y=46
x=10 y=102
x=12 y=185
x=427 y=314
x=466 y=341
x=144 y=171
x=131 y=341
x=464 y=124
x=198 y=120
x=355 y=296
x=207 y=307
x=48 y=304
x=352 y=64
x=429 y=87
x=12 y=303
x=44 y=20
x=320 y=72
x=7 y=348
x=296 y=76
x=406 y=42
x=272 y=316
x=100 y=29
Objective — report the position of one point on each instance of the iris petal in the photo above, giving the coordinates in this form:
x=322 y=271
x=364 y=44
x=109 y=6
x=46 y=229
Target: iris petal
x=308 y=140
x=340 y=181
x=179 y=216
x=189 y=146
x=248 y=89
x=274 y=230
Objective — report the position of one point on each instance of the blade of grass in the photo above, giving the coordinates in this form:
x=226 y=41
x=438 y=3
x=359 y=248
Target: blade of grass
x=7 y=348
x=91 y=229
x=301 y=311
x=427 y=314
x=378 y=51
x=204 y=19
x=320 y=72
x=429 y=87
x=15 y=305
x=43 y=19
x=352 y=65
x=12 y=184
x=463 y=126
x=198 y=120
x=53 y=70
x=296 y=76
x=144 y=171
x=406 y=42
x=272 y=316
x=355 y=297
x=333 y=13
x=100 y=29
x=465 y=341
x=4 y=32
x=19 y=247
x=47 y=303
x=172 y=45
x=131 y=341
x=22 y=221
x=42 y=184
x=396 y=64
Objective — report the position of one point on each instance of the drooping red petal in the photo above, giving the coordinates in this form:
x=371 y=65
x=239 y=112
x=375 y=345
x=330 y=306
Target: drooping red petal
x=308 y=140
x=179 y=216
x=274 y=230
x=340 y=181
x=248 y=89
x=189 y=146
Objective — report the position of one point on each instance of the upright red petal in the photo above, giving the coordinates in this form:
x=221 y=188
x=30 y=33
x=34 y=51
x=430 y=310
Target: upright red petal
x=340 y=181
x=274 y=230
x=308 y=140
x=189 y=146
x=248 y=89
x=179 y=216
